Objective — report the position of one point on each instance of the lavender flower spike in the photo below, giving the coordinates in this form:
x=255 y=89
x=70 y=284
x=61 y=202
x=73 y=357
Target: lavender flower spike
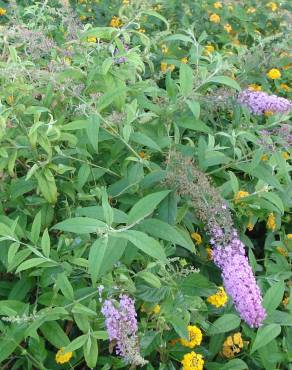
x=239 y=281
x=121 y=324
x=260 y=102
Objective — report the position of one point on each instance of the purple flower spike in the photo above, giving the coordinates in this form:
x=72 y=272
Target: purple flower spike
x=121 y=325
x=239 y=281
x=260 y=102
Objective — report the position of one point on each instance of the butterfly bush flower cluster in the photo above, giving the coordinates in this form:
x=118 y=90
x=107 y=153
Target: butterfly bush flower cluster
x=121 y=325
x=260 y=103
x=227 y=250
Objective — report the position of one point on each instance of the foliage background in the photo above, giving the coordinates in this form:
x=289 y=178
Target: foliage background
x=84 y=139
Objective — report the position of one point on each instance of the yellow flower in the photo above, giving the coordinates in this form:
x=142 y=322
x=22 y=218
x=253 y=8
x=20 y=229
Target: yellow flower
x=219 y=299
x=192 y=361
x=195 y=337
x=232 y=345
x=155 y=310
x=215 y=18
x=255 y=87
x=273 y=6
x=184 y=60
x=287 y=66
x=274 y=74
x=63 y=357
x=282 y=251
x=271 y=222
x=230 y=7
x=171 y=67
x=285 y=155
x=264 y=157
x=284 y=87
x=250 y=226
x=91 y=39
x=268 y=113
x=126 y=2
x=82 y=17
x=157 y=7
x=236 y=42
x=240 y=194
x=227 y=27
x=141 y=30
x=163 y=67
x=164 y=49
x=2 y=11
x=115 y=22
x=217 y=5
x=285 y=301
x=10 y=99
x=197 y=237
x=251 y=10
x=209 y=49
x=289 y=236
x=209 y=253
x=67 y=61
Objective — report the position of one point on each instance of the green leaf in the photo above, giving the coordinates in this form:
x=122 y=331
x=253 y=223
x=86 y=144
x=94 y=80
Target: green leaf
x=92 y=130
x=150 y=278
x=53 y=332
x=105 y=33
x=275 y=199
x=107 y=209
x=90 y=351
x=47 y=185
x=113 y=253
x=145 y=243
x=162 y=230
x=76 y=343
x=80 y=225
x=46 y=243
x=224 y=80
x=33 y=262
x=140 y=138
x=197 y=284
x=235 y=364
x=36 y=227
x=145 y=206
x=9 y=342
x=186 y=79
x=65 y=286
x=273 y=296
x=194 y=107
x=156 y=15
x=96 y=257
x=265 y=335
x=180 y=326
x=224 y=324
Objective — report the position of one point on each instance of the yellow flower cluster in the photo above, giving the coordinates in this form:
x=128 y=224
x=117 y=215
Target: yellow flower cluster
x=219 y=299
x=209 y=253
x=195 y=337
x=274 y=74
x=240 y=194
x=273 y=6
x=227 y=28
x=285 y=155
x=250 y=226
x=282 y=251
x=63 y=357
x=251 y=10
x=164 y=67
x=164 y=49
x=115 y=22
x=2 y=11
x=254 y=87
x=91 y=39
x=153 y=310
x=271 y=222
x=197 y=238
x=264 y=157
x=192 y=361
x=289 y=236
x=126 y=2
x=232 y=345
x=217 y=5
x=209 y=49
x=215 y=18
x=184 y=60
